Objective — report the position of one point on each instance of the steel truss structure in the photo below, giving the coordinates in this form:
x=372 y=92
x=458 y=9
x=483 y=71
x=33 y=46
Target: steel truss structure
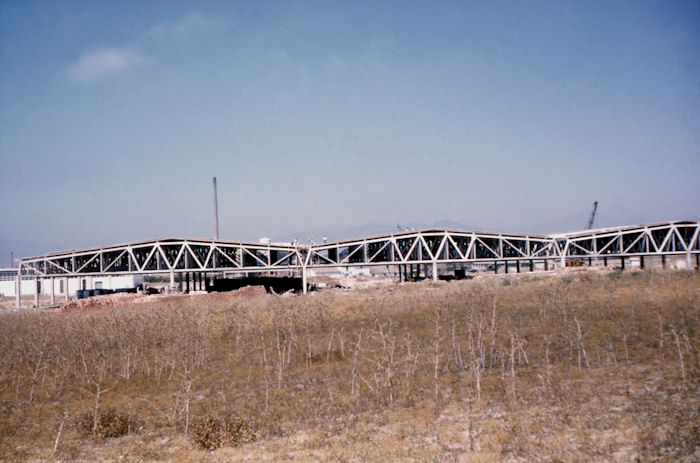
x=426 y=247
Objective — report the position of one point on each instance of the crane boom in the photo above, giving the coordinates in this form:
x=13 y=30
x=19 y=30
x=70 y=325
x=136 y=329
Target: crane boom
x=592 y=219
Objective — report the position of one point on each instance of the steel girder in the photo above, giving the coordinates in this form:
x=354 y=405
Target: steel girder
x=422 y=247
x=660 y=239
x=417 y=247
x=164 y=256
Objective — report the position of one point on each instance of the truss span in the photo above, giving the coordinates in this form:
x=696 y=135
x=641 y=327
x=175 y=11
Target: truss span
x=416 y=247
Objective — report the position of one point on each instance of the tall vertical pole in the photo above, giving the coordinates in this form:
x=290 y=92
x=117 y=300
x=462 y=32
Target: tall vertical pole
x=216 y=213
x=435 y=272
x=53 y=290
x=36 y=291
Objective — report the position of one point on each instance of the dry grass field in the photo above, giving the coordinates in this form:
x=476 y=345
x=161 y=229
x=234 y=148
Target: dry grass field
x=580 y=366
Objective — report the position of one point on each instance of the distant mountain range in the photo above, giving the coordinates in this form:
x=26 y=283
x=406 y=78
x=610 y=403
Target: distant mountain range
x=370 y=229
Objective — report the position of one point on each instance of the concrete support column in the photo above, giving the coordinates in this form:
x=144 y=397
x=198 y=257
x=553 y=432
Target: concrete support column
x=506 y=266
x=546 y=265
x=495 y=267
x=65 y=289
x=517 y=266
x=663 y=261
x=532 y=265
x=36 y=292
x=435 y=272
x=605 y=261
x=641 y=262
x=172 y=281
x=303 y=278
x=622 y=263
x=187 y=282
x=687 y=260
x=53 y=290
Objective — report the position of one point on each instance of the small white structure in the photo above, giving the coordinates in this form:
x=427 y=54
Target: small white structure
x=64 y=286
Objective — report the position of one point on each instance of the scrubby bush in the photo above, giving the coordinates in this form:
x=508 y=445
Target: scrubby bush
x=109 y=424
x=212 y=432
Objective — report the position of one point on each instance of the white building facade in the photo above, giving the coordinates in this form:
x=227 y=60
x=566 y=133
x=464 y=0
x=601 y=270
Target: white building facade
x=64 y=286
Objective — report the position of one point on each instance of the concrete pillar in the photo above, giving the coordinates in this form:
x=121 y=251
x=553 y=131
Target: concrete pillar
x=517 y=266
x=65 y=289
x=641 y=262
x=36 y=292
x=435 y=273
x=53 y=291
x=506 y=266
x=622 y=263
x=687 y=260
x=172 y=281
x=187 y=282
x=303 y=278
x=546 y=265
x=663 y=261
x=532 y=265
x=605 y=261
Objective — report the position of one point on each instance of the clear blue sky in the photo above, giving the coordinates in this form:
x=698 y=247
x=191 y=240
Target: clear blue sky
x=506 y=116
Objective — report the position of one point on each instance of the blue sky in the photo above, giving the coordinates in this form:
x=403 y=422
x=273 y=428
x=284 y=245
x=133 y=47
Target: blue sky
x=322 y=117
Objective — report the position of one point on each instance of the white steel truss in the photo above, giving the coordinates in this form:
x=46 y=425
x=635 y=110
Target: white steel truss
x=416 y=247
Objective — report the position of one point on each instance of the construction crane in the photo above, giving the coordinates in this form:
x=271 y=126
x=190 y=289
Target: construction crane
x=592 y=219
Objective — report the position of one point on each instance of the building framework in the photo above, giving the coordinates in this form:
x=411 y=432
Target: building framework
x=428 y=248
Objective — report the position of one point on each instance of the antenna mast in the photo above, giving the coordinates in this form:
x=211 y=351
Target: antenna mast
x=216 y=214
